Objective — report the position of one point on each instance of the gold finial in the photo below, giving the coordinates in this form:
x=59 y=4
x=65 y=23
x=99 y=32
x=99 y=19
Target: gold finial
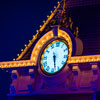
x=70 y=20
x=64 y=20
x=77 y=31
x=71 y=23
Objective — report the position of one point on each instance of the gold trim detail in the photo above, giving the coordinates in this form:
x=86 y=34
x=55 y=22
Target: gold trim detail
x=14 y=64
x=84 y=59
x=40 y=30
x=41 y=65
x=39 y=45
x=26 y=63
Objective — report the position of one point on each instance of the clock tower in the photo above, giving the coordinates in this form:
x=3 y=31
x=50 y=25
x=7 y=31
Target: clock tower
x=56 y=64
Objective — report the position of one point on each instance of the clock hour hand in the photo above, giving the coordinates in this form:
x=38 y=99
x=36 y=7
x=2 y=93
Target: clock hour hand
x=54 y=59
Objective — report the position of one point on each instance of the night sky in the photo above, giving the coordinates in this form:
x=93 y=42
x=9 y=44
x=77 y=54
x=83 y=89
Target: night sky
x=19 y=20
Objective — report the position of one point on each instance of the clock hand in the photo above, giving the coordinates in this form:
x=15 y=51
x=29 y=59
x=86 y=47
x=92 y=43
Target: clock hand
x=54 y=59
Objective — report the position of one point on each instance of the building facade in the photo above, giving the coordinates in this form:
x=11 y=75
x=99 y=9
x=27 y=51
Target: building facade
x=62 y=60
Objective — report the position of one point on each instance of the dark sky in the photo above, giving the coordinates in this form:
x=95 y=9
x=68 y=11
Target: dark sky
x=19 y=20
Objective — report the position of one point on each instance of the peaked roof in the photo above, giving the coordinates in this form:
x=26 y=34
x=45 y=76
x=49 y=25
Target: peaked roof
x=84 y=13
x=58 y=17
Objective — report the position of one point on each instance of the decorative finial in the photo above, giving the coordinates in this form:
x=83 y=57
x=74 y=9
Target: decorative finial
x=77 y=31
x=70 y=22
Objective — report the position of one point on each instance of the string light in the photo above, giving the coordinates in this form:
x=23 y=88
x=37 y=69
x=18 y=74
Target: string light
x=40 y=26
x=25 y=45
x=33 y=36
x=21 y=49
x=47 y=16
x=43 y=21
x=37 y=31
x=17 y=54
x=14 y=59
x=51 y=11
x=29 y=40
x=55 y=7
x=58 y=2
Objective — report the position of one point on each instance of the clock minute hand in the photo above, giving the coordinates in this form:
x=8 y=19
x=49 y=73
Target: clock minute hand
x=54 y=59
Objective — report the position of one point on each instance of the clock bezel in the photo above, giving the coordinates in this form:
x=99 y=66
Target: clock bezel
x=42 y=53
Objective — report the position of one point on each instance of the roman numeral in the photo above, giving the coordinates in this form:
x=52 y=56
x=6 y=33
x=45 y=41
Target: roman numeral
x=62 y=62
x=57 y=44
x=65 y=56
x=45 y=64
x=47 y=51
x=52 y=46
x=52 y=70
x=57 y=67
x=62 y=45
x=65 y=49
x=47 y=68
x=45 y=58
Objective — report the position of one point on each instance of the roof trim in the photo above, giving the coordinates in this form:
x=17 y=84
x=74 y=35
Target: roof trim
x=72 y=60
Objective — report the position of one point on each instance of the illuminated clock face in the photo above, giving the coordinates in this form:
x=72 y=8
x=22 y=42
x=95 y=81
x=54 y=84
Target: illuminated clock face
x=54 y=57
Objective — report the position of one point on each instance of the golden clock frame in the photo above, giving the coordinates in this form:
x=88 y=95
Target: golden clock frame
x=49 y=36
x=46 y=45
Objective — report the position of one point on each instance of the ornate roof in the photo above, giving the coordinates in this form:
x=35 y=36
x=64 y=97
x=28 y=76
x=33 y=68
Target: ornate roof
x=70 y=14
x=58 y=17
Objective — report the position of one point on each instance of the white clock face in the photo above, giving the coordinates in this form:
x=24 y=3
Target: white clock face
x=54 y=56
